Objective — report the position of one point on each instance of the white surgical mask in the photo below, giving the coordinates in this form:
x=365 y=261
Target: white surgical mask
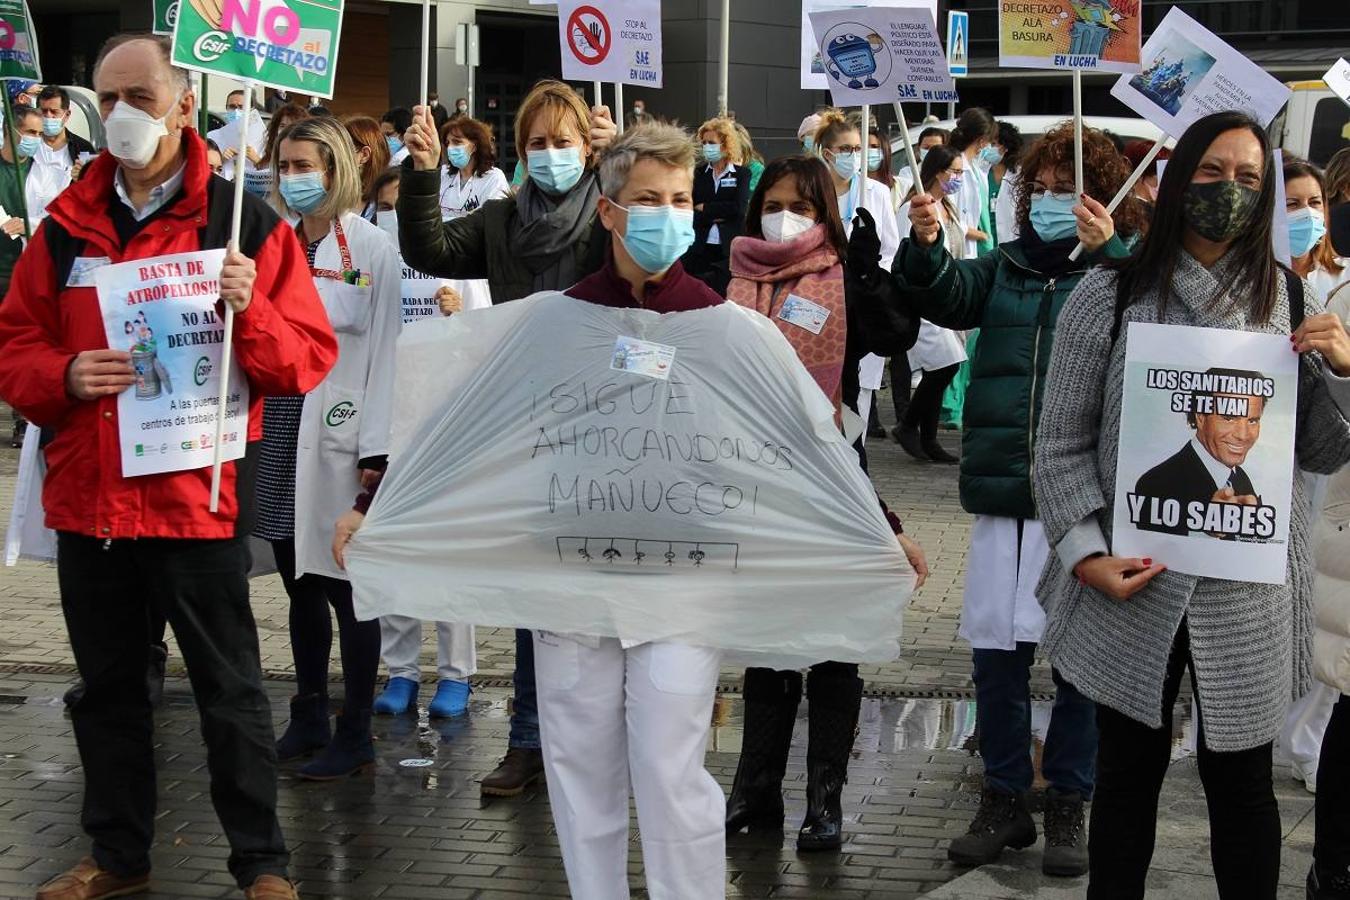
x=133 y=135
x=784 y=225
x=387 y=219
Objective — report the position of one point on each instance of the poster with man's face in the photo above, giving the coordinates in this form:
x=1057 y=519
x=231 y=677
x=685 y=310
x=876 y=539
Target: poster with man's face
x=1206 y=466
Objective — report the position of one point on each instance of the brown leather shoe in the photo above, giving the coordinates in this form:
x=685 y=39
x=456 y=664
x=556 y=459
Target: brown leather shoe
x=518 y=770
x=88 y=882
x=271 y=887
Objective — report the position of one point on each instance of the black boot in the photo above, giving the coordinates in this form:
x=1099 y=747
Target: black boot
x=1065 y=835
x=1324 y=885
x=1003 y=821
x=308 y=729
x=351 y=752
x=908 y=438
x=771 y=700
x=834 y=699
x=935 y=451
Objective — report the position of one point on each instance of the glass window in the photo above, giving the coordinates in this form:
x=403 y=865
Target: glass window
x=1330 y=129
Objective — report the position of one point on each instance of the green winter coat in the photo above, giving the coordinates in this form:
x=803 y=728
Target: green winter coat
x=1015 y=308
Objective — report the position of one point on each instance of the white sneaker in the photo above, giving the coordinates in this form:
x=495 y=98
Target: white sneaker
x=1306 y=774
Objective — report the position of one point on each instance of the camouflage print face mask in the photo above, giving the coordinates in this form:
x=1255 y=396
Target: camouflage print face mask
x=1217 y=210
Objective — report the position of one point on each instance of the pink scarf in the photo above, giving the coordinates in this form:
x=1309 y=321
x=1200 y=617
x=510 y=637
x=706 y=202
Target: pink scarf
x=763 y=274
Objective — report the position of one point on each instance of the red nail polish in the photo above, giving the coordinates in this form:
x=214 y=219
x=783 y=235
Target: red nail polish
x=1148 y=562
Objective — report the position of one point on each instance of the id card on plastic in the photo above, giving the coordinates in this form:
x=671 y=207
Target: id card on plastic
x=803 y=313
x=643 y=357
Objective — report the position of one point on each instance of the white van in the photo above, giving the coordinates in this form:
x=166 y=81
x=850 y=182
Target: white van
x=1314 y=124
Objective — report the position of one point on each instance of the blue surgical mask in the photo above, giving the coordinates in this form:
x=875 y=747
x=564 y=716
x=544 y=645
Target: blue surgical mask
x=303 y=193
x=952 y=185
x=1307 y=226
x=28 y=145
x=991 y=155
x=233 y=115
x=394 y=143
x=555 y=171
x=52 y=127
x=656 y=236
x=809 y=143
x=1052 y=216
x=873 y=159
x=712 y=153
x=459 y=155
x=846 y=165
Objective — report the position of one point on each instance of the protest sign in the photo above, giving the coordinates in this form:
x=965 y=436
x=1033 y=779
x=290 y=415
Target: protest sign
x=163 y=311
x=882 y=55
x=617 y=41
x=166 y=16
x=714 y=503
x=1205 y=474
x=1188 y=73
x=419 y=294
x=1099 y=35
x=18 y=42
x=958 y=42
x=1338 y=79
x=813 y=75
x=286 y=44
x=1279 y=231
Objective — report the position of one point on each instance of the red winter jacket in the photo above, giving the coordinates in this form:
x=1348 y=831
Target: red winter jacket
x=282 y=342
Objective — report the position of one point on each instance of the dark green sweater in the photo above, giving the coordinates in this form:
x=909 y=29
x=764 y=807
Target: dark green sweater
x=11 y=199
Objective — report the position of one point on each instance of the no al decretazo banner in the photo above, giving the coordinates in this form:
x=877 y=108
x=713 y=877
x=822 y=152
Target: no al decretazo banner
x=18 y=43
x=287 y=44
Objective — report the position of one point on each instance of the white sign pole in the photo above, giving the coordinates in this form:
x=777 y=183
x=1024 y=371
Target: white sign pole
x=909 y=147
x=227 y=349
x=1078 y=132
x=723 y=60
x=426 y=52
x=862 y=172
x=618 y=106
x=1128 y=185
x=599 y=99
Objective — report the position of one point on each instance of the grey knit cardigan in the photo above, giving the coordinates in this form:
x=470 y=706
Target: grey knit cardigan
x=1251 y=644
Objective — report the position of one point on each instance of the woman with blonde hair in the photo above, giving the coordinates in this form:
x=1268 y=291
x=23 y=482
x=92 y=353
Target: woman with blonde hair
x=372 y=155
x=721 y=195
x=317 y=450
x=546 y=237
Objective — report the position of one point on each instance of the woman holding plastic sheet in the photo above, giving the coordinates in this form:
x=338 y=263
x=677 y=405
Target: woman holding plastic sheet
x=1124 y=630
x=1014 y=296
x=789 y=266
x=319 y=448
x=546 y=237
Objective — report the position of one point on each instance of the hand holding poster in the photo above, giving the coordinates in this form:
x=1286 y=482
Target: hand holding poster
x=1188 y=73
x=18 y=43
x=881 y=55
x=163 y=312
x=286 y=44
x=617 y=41
x=1100 y=35
x=1205 y=474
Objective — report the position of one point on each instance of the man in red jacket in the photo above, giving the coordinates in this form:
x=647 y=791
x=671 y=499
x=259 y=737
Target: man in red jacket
x=130 y=543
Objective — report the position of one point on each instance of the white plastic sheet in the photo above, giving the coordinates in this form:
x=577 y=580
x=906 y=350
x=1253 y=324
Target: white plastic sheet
x=532 y=485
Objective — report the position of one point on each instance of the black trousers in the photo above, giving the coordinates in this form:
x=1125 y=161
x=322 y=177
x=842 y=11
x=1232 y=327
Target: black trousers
x=901 y=377
x=201 y=587
x=1132 y=760
x=312 y=634
x=1331 y=846
x=926 y=405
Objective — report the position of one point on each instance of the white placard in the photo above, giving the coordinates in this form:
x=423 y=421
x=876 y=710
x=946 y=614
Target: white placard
x=419 y=295
x=163 y=311
x=1280 y=226
x=1206 y=411
x=881 y=55
x=1338 y=79
x=1069 y=34
x=1189 y=72
x=812 y=69
x=616 y=41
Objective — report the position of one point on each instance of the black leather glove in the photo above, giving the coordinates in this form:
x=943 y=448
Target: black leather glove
x=864 y=244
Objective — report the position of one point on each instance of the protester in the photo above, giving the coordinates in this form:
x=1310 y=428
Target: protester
x=471 y=176
x=22 y=139
x=439 y=114
x=721 y=194
x=395 y=124
x=214 y=160
x=318 y=449
x=372 y=159
x=1014 y=297
x=1313 y=257
x=879 y=167
x=1338 y=177
x=1123 y=630
x=1145 y=190
x=748 y=155
x=806 y=133
x=61 y=148
x=938 y=352
x=929 y=138
x=639 y=115
x=127 y=545
x=227 y=136
x=974 y=137
x=461 y=107
x=546 y=237
x=22 y=92
x=1003 y=183
x=795 y=247
x=259 y=181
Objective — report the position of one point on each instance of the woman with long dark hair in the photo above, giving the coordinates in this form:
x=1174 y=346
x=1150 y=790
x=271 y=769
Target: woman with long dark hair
x=794 y=248
x=974 y=137
x=1123 y=631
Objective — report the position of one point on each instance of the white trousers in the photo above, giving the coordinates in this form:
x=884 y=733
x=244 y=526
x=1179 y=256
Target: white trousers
x=608 y=718
x=401 y=646
x=1306 y=723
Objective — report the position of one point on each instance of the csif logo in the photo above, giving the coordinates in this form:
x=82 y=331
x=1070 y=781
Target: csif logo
x=211 y=46
x=341 y=412
x=201 y=371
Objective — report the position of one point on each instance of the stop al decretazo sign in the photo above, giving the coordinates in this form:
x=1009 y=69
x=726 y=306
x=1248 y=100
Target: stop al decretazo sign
x=617 y=41
x=287 y=44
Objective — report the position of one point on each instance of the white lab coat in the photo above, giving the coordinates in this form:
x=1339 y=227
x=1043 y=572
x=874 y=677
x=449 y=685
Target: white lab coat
x=1005 y=208
x=348 y=416
x=1326 y=283
x=1000 y=608
x=937 y=347
x=973 y=199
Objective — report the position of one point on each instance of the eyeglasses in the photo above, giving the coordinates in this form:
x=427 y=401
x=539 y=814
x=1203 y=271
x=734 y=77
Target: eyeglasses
x=846 y=149
x=1060 y=189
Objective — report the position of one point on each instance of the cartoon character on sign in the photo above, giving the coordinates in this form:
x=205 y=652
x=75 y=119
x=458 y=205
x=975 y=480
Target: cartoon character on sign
x=152 y=379
x=854 y=60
